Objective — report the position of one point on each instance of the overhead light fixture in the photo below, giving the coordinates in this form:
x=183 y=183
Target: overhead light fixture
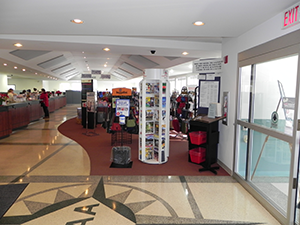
x=18 y=45
x=15 y=67
x=4 y=64
x=106 y=49
x=77 y=21
x=185 y=53
x=198 y=23
x=23 y=70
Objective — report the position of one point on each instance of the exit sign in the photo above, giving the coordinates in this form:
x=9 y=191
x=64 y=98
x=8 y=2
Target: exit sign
x=291 y=16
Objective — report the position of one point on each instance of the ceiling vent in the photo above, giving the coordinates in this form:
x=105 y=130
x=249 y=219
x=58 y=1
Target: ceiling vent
x=171 y=58
x=119 y=75
x=28 y=54
x=123 y=72
x=146 y=63
x=72 y=75
x=67 y=72
x=52 y=62
x=131 y=68
x=63 y=68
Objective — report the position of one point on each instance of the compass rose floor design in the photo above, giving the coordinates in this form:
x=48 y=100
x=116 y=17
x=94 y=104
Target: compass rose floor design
x=44 y=179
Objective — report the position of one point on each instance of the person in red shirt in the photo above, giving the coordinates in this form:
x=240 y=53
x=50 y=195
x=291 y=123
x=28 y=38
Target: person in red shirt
x=45 y=103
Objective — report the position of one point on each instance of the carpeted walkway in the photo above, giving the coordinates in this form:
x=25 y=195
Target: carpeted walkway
x=99 y=150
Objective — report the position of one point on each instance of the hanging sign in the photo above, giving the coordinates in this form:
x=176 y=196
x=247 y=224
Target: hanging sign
x=121 y=92
x=96 y=72
x=291 y=16
x=86 y=75
x=206 y=66
x=105 y=76
x=122 y=107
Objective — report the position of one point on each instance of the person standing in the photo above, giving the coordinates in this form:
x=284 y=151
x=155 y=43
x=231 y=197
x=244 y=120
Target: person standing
x=11 y=96
x=45 y=103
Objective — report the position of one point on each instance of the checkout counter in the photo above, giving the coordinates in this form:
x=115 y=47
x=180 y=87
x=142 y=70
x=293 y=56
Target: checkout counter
x=18 y=115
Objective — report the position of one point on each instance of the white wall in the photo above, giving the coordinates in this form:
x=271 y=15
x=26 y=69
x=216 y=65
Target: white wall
x=265 y=32
x=3 y=83
x=228 y=83
x=24 y=84
x=102 y=85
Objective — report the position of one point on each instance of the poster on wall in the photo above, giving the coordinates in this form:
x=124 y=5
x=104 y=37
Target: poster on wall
x=225 y=107
x=90 y=102
x=122 y=107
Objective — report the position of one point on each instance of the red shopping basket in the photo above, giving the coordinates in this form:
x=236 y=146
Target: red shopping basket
x=198 y=137
x=197 y=155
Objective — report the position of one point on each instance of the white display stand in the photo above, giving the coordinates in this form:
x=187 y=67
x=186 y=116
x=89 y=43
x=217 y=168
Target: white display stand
x=154 y=114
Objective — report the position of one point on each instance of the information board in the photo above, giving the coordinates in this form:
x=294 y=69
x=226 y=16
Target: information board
x=209 y=92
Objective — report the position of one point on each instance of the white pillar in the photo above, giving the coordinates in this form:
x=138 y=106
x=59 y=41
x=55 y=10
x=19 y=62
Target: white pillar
x=3 y=83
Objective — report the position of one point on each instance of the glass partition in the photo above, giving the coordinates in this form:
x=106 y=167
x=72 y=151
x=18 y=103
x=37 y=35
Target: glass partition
x=266 y=105
x=275 y=88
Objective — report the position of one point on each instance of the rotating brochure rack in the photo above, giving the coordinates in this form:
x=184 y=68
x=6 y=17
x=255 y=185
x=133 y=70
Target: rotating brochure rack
x=154 y=117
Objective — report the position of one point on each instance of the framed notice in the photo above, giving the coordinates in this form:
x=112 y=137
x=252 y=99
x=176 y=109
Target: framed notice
x=122 y=107
x=209 y=92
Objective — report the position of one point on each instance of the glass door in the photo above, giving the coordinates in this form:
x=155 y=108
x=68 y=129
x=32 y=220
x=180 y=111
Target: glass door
x=265 y=128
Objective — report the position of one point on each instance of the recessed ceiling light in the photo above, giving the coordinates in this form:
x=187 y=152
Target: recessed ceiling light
x=198 y=23
x=185 y=53
x=15 y=67
x=77 y=21
x=106 y=49
x=4 y=64
x=23 y=70
x=18 y=45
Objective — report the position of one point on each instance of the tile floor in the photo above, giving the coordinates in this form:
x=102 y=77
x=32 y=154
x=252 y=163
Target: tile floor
x=61 y=191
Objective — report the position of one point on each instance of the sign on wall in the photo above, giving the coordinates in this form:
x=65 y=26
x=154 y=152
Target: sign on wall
x=291 y=16
x=207 y=66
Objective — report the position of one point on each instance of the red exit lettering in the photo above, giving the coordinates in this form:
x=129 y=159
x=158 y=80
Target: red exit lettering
x=291 y=16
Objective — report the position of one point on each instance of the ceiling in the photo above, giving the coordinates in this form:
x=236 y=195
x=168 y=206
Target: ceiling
x=55 y=48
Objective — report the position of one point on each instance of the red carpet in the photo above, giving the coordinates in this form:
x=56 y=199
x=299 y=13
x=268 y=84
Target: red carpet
x=99 y=150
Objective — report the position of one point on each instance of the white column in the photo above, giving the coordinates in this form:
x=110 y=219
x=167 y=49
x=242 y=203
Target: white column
x=3 y=83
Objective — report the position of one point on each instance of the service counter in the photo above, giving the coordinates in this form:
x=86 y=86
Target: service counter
x=19 y=115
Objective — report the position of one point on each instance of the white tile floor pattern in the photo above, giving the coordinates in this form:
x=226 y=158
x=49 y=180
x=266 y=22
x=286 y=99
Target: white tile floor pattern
x=61 y=191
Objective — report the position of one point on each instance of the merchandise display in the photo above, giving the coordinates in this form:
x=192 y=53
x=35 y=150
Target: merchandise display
x=154 y=117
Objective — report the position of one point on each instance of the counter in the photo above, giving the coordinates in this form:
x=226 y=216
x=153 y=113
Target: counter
x=18 y=115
